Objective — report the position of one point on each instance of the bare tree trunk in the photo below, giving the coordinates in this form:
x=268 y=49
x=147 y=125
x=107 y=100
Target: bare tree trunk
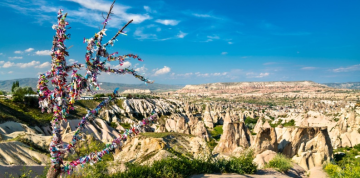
x=53 y=173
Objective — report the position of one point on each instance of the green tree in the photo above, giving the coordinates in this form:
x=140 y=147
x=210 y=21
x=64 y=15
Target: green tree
x=19 y=93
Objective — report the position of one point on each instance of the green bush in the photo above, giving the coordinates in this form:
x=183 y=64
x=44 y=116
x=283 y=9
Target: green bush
x=175 y=167
x=113 y=125
x=290 y=123
x=279 y=163
x=347 y=171
x=182 y=167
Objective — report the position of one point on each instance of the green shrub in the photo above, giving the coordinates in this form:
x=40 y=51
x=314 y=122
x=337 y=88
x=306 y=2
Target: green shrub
x=113 y=125
x=216 y=132
x=183 y=167
x=290 y=123
x=347 y=171
x=280 y=163
x=125 y=125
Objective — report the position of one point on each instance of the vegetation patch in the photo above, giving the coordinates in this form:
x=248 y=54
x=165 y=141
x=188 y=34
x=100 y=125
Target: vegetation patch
x=344 y=165
x=280 y=163
x=216 y=132
x=31 y=144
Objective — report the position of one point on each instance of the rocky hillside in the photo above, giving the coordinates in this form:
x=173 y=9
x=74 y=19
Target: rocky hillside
x=348 y=85
x=246 y=87
x=6 y=85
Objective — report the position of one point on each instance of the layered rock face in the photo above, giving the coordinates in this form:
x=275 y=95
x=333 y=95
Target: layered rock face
x=242 y=87
x=145 y=149
x=146 y=106
x=346 y=131
x=265 y=140
x=208 y=120
x=235 y=138
x=307 y=146
x=132 y=91
x=181 y=124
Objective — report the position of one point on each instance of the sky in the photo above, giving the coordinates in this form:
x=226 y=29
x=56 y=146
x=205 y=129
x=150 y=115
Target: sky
x=193 y=41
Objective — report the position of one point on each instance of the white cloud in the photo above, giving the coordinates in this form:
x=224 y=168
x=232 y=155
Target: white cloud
x=181 y=34
x=269 y=63
x=10 y=72
x=201 y=15
x=162 y=71
x=26 y=65
x=72 y=61
x=254 y=75
x=119 y=11
x=224 y=53
x=43 y=53
x=167 y=22
x=142 y=69
x=21 y=65
x=206 y=16
x=141 y=35
x=347 y=69
x=15 y=57
x=43 y=65
x=18 y=52
x=148 y=9
x=29 y=50
x=1 y=54
x=202 y=75
x=308 y=68
x=212 y=38
x=8 y=64
x=230 y=42
x=216 y=74
x=184 y=75
x=2 y=62
x=126 y=64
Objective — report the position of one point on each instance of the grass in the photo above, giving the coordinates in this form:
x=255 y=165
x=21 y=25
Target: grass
x=31 y=115
x=280 y=163
x=344 y=166
x=177 y=167
x=290 y=123
x=88 y=146
x=125 y=125
x=216 y=132
x=250 y=122
x=22 y=113
x=31 y=144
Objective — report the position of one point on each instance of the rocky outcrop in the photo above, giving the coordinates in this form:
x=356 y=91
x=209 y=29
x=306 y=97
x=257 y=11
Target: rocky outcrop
x=264 y=157
x=235 y=138
x=146 y=106
x=260 y=123
x=307 y=146
x=181 y=124
x=265 y=140
x=146 y=148
x=131 y=91
x=208 y=120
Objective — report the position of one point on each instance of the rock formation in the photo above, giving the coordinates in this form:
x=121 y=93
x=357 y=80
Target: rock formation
x=208 y=120
x=235 y=138
x=265 y=140
x=308 y=146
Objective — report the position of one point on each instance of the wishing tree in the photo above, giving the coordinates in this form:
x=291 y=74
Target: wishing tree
x=62 y=98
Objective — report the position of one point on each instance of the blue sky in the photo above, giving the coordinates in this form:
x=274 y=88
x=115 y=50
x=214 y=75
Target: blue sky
x=192 y=42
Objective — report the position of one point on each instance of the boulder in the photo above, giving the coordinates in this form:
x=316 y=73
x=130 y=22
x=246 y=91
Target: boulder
x=264 y=157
